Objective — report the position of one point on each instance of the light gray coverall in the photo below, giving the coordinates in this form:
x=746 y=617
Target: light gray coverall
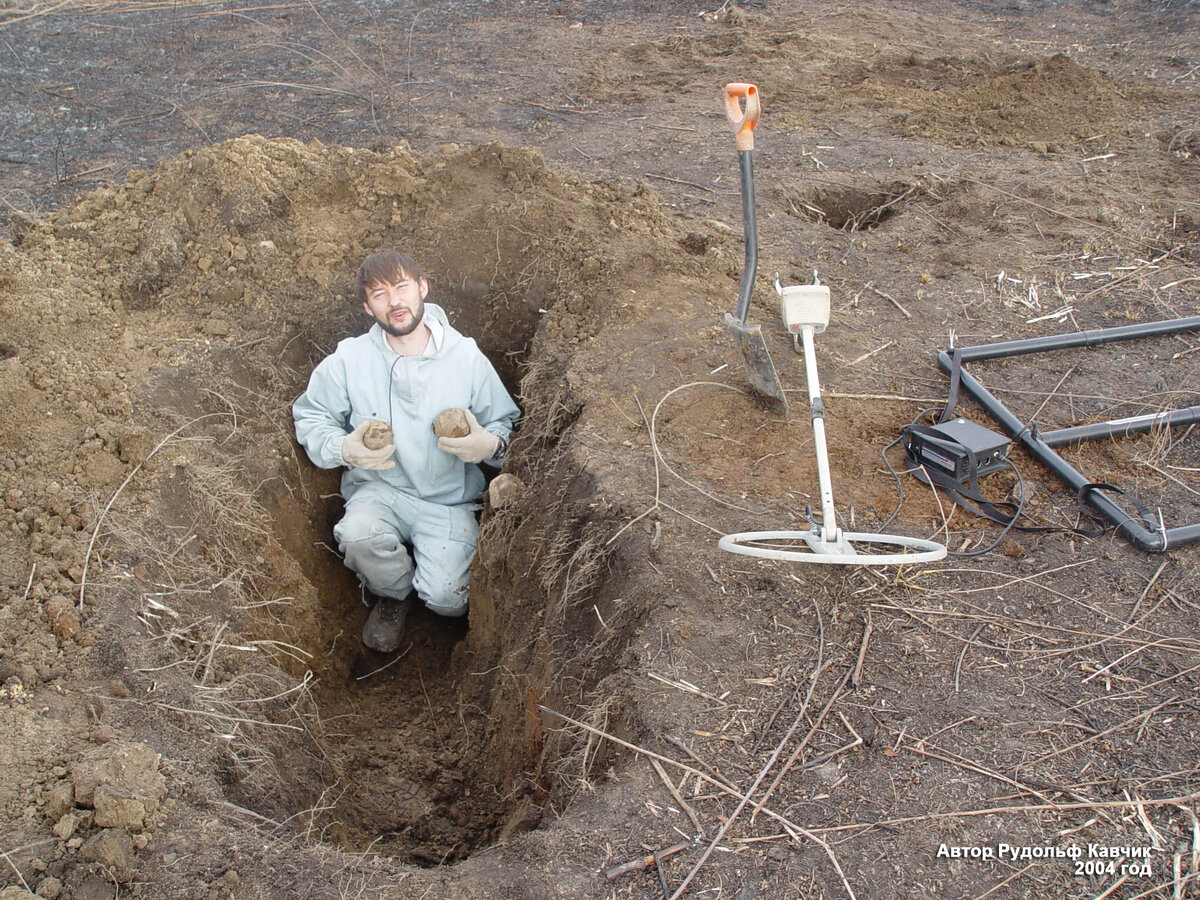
x=430 y=498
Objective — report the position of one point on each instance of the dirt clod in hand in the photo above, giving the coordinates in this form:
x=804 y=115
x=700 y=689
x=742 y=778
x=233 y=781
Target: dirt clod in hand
x=452 y=423
x=378 y=435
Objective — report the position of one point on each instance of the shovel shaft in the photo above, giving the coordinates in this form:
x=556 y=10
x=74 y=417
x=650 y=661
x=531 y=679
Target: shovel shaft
x=746 y=158
x=749 y=339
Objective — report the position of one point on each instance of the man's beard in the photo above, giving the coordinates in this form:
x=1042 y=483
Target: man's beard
x=413 y=321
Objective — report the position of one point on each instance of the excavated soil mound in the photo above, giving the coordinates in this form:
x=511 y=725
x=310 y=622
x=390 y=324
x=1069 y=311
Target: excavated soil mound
x=160 y=331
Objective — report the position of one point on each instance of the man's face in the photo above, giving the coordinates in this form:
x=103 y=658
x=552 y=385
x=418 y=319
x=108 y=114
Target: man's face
x=399 y=307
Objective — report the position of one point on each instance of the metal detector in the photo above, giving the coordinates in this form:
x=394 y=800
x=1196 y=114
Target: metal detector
x=805 y=311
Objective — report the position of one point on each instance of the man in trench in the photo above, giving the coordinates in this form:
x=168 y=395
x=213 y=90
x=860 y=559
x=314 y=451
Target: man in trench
x=409 y=524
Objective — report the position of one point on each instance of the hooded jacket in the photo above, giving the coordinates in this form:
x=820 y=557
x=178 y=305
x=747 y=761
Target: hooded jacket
x=365 y=379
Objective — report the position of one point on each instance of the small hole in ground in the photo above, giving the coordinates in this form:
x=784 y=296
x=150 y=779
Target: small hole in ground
x=849 y=208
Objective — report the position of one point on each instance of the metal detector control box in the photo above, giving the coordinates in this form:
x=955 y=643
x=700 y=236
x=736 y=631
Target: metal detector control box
x=958 y=446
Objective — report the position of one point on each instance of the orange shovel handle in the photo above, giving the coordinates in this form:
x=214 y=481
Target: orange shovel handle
x=743 y=118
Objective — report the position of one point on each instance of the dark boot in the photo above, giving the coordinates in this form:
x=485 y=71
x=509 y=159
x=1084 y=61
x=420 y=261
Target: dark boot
x=385 y=625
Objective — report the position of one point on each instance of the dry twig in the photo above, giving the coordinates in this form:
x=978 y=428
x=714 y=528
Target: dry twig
x=870 y=285
x=856 y=675
x=674 y=791
x=643 y=862
x=794 y=831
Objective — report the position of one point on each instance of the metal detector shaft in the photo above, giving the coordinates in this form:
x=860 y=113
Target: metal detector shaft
x=806 y=313
x=829 y=545
x=829 y=529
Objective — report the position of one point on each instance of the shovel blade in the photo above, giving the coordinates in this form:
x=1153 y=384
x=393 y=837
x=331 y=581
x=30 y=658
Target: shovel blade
x=757 y=359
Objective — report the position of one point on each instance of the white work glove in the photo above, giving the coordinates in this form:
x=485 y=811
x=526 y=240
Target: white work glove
x=355 y=452
x=477 y=446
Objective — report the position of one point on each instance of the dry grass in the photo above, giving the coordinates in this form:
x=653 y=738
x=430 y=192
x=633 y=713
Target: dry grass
x=549 y=410
x=223 y=663
x=24 y=11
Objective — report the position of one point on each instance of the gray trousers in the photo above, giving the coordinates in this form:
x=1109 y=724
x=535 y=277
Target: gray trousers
x=379 y=525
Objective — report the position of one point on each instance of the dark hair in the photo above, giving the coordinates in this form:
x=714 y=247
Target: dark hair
x=384 y=265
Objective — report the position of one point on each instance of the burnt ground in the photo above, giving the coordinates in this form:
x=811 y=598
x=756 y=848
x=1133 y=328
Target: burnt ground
x=186 y=708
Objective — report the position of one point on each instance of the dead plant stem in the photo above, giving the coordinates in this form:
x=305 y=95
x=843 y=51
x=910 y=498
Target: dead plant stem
x=794 y=830
x=1056 y=212
x=816 y=726
x=1050 y=396
x=967 y=644
x=13 y=866
x=674 y=792
x=429 y=706
x=1145 y=593
x=239 y=719
x=1144 y=717
x=728 y=823
x=29 y=583
x=1021 y=809
x=870 y=285
x=856 y=675
x=955 y=760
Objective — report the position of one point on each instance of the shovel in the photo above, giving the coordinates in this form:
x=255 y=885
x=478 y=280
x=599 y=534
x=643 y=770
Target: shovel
x=748 y=338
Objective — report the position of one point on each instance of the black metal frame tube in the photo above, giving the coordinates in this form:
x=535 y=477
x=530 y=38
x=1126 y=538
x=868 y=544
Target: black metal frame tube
x=1117 y=428
x=1042 y=450
x=1092 y=338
